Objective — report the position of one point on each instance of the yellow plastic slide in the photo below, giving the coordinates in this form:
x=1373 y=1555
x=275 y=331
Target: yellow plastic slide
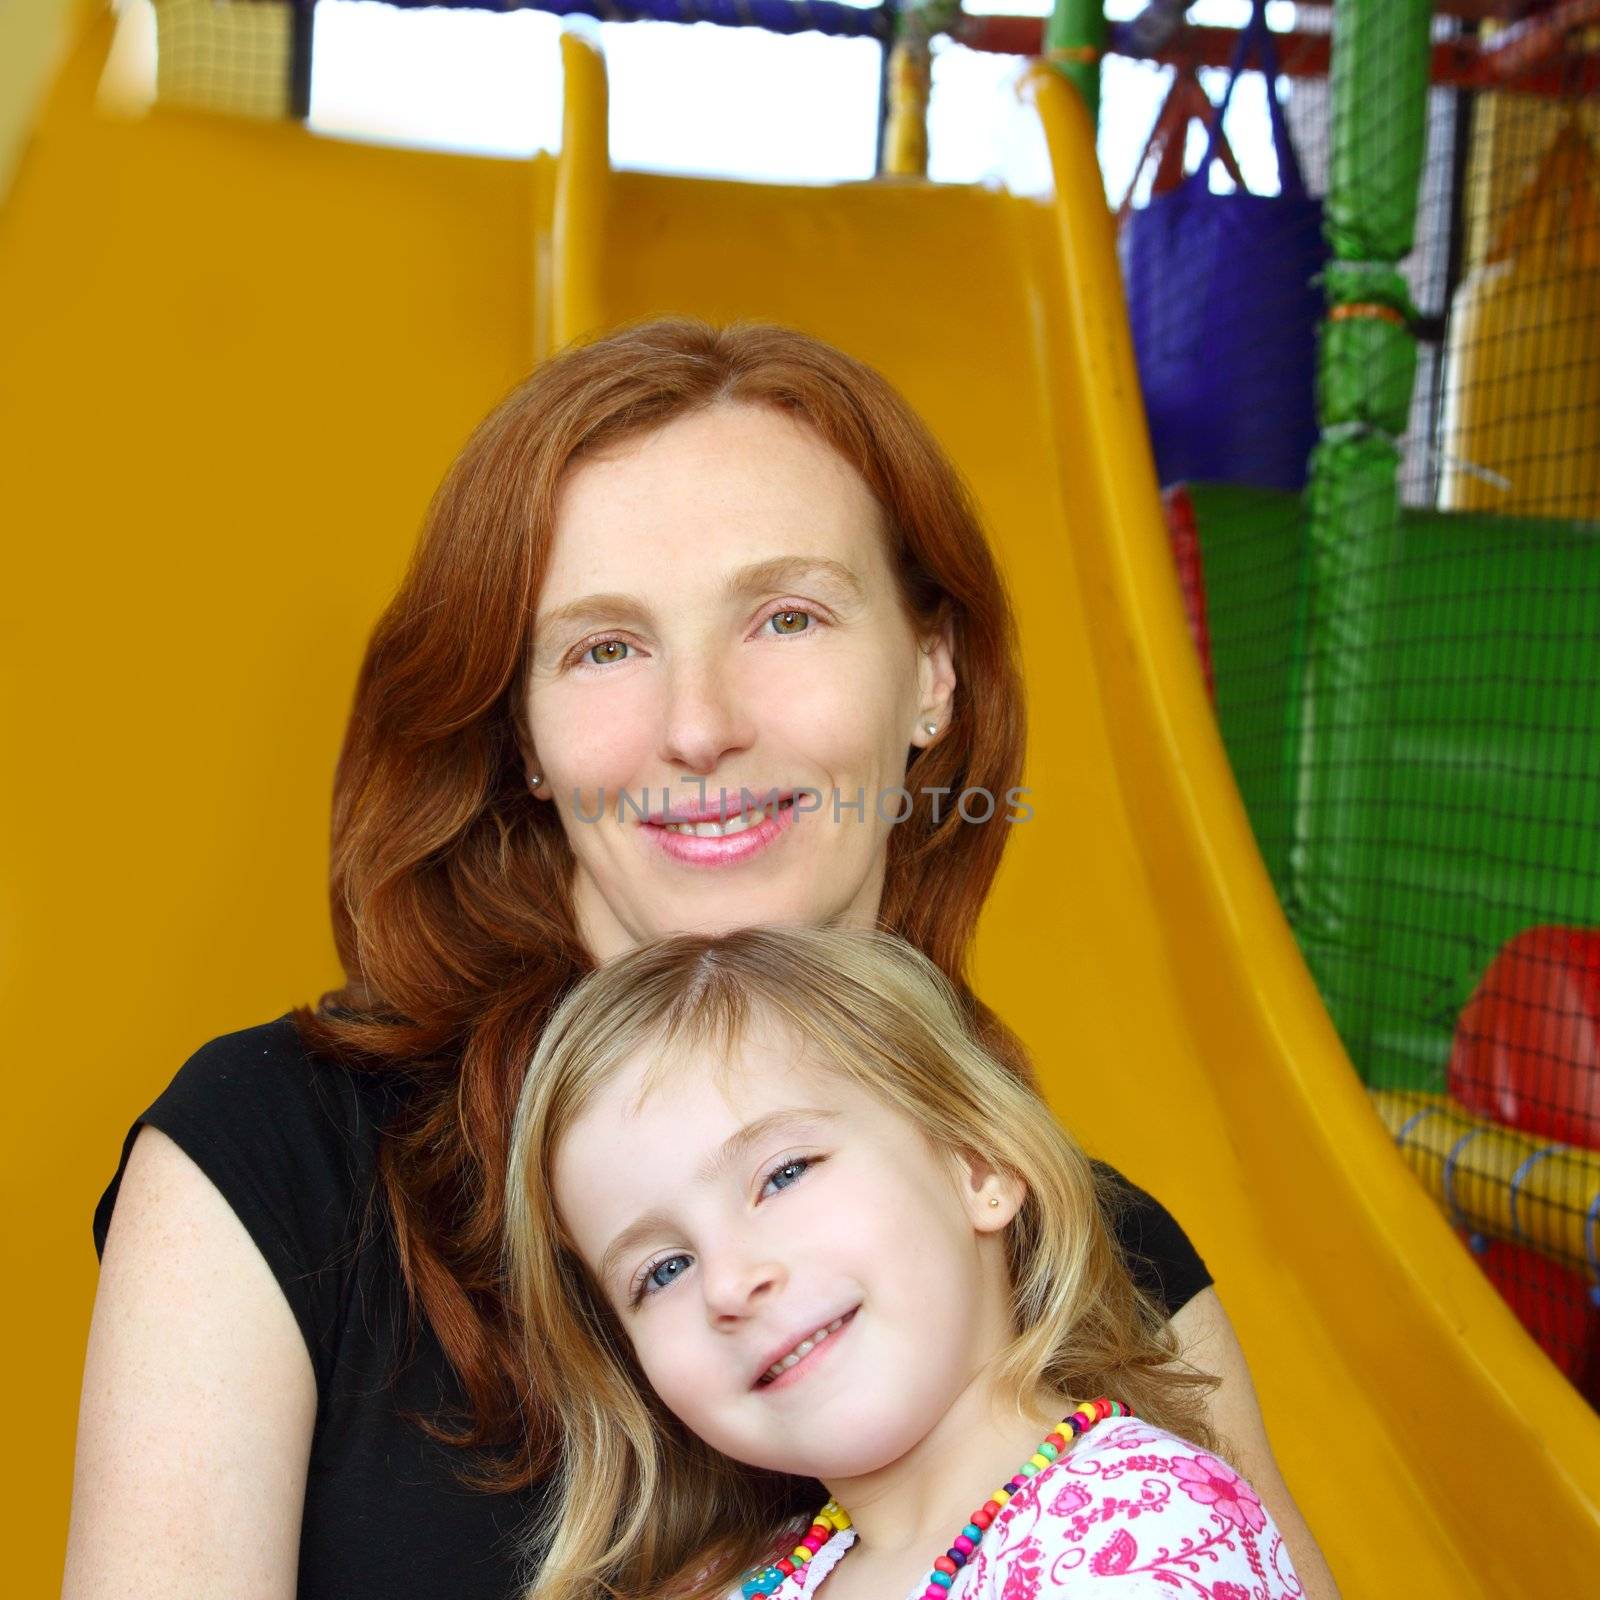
x=239 y=357
x=1134 y=938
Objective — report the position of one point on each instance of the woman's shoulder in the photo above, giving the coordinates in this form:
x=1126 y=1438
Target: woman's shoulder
x=268 y=1067
x=258 y=1099
x=1141 y=1512
x=290 y=1140
x=1159 y=1255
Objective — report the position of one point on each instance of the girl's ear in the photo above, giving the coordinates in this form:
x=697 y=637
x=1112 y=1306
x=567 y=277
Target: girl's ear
x=991 y=1197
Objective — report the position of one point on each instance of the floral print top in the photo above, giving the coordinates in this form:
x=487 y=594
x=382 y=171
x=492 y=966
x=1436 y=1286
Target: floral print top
x=1131 y=1512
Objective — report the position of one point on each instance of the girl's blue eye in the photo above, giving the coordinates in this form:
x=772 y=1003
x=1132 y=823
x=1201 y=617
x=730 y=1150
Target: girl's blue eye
x=796 y=1167
x=663 y=1273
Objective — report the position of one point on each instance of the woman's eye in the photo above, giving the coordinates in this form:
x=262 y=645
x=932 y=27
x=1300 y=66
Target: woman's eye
x=615 y=645
x=785 y=622
x=789 y=1173
x=786 y=617
x=663 y=1273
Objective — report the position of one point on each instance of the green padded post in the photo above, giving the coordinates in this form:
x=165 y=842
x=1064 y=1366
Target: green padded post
x=1367 y=362
x=1074 y=40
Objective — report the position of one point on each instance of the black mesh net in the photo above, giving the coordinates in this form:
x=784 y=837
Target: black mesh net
x=213 y=55
x=1405 y=648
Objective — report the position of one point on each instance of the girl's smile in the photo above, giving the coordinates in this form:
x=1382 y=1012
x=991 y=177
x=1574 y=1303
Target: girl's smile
x=800 y=1358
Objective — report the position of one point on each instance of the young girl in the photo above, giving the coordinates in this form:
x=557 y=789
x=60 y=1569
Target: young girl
x=775 y=1217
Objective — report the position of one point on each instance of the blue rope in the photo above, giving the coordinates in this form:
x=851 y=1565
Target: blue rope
x=776 y=16
x=1457 y=1217
x=1516 y=1178
x=1591 y=1233
x=1475 y=1241
x=1411 y=1122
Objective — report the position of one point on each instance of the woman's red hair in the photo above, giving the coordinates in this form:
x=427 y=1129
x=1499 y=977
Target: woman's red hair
x=449 y=882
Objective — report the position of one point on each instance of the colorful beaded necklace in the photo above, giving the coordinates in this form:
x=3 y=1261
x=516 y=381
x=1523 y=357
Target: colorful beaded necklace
x=832 y=1519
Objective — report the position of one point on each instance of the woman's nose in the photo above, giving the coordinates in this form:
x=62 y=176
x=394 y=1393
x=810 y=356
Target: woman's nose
x=706 y=713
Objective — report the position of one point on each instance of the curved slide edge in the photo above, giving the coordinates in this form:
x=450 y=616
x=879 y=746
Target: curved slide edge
x=1407 y=1330
x=1404 y=1298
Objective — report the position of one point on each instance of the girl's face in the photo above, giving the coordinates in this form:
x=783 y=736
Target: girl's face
x=719 y=614
x=730 y=1225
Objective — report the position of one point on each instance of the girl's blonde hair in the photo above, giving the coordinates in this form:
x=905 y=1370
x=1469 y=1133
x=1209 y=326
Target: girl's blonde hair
x=640 y=1508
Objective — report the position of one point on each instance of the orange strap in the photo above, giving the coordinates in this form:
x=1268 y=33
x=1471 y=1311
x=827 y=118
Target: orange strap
x=1366 y=308
x=1086 y=53
x=1186 y=102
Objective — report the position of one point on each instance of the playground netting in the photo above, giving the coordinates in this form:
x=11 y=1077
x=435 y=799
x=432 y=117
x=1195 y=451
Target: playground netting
x=232 y=57
x=1404 y=653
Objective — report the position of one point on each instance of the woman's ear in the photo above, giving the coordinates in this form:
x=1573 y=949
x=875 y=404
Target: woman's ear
x=936 y=682
x=532 y=772
x=991 y=1197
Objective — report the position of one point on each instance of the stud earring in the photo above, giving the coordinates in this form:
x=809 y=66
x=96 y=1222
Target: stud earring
x=994 y=1200
x=534 y=781
x=932 y=727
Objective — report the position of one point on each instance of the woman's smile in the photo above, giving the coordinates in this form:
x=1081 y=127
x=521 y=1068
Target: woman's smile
x=716 y=844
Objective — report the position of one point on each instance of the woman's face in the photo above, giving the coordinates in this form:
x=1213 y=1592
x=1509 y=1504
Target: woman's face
x=732 y=1218
x=719 y=616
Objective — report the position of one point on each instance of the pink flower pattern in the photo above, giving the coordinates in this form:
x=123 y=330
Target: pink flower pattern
x=1131 y=1512
x=1211 y=1482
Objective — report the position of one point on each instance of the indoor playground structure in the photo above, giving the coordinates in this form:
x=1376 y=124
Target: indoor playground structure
x=1396 y=593
x=1297 y=498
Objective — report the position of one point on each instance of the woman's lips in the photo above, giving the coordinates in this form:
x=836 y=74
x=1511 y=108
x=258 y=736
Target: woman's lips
x=694 y=850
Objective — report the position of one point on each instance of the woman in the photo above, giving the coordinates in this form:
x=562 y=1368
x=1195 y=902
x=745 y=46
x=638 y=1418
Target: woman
x=675 y=557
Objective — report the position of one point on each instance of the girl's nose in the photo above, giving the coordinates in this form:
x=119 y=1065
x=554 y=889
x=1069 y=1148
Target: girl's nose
x=737 y=1288
x=705 y=714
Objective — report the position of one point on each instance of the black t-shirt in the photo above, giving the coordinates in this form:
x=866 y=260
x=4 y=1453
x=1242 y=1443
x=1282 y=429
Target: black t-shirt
x=291 y=1143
